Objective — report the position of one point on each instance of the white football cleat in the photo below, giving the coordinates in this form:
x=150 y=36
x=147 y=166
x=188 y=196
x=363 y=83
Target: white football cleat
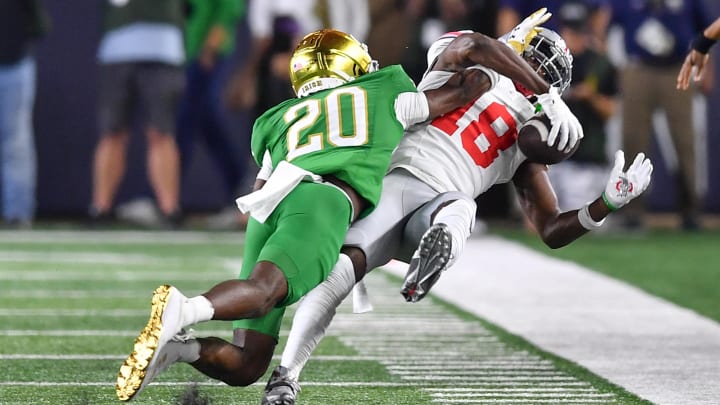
x=281 y=389
x=156 y=347
x=430 y=259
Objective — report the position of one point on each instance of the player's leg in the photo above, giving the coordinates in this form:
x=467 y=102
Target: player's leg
x=283 y=270
x=445 y=223
x=279 y=269
x=115 y=103
x=217 y=131
x=255 y=335
x=640 y=98
x=312 y=317
x=159 y=345
x=161 y=87
x=379 y=235
x=679 y=111
x=17 y=148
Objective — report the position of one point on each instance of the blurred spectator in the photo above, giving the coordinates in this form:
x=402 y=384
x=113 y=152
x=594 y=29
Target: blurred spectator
x=389 y=33
x=21 y=22
x=591 y=97
x=140 y=56
x=511 y=12
x=656 y=34
x=432 y=18
x=275 y=27
x=210 y=41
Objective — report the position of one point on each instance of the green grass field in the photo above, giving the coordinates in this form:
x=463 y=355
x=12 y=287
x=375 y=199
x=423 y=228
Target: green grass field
x=72 y=303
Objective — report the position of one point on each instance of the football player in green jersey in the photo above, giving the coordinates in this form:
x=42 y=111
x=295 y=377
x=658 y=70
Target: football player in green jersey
x=323 y=157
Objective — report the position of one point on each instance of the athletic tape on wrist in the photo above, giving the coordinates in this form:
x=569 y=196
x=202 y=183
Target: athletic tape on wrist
x=586 y=220
x=702 y=44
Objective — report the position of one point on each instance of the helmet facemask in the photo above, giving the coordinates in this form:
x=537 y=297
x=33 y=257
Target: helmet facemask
x=548 y=54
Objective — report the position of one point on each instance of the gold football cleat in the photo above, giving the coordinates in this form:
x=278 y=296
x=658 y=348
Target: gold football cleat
x=133 y=372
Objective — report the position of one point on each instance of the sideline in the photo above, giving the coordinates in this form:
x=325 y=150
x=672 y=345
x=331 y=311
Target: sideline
x=654 y=349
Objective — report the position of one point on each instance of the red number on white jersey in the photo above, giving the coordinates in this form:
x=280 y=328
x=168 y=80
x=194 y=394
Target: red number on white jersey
x=480 y=137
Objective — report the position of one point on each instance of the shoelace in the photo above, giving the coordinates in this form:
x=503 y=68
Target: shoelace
x=184 y=335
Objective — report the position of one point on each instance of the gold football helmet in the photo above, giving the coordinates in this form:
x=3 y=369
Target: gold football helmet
x=328 y=58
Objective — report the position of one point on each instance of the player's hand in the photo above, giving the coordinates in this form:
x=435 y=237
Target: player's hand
x=521 y=35
x=696 y=60
x=624 y=186
x=566 y=130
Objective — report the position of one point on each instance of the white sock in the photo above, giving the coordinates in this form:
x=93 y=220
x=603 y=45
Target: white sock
x=197 y=309
x=459 y=216
x=314 y=314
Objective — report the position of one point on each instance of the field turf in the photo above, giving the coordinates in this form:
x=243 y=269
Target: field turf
x=71 y=304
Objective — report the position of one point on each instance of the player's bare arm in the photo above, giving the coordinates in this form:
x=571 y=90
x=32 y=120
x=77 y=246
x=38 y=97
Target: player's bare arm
x=539 y=202
x=462 y=88
x=478 y=49
x=557 y=229
x=459 y=50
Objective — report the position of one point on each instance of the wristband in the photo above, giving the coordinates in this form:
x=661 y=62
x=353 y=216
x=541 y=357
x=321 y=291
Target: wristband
x=586 y=220
x=702 y=44
x=608 y=203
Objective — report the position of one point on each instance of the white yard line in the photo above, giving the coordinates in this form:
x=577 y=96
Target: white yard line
x=121 y=237
x=103 y=274
x=84 y=357
x=424 y=344
x=359 y=384
x=653 y=348
x=21 y=256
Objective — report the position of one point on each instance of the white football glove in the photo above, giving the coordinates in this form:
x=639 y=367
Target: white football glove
x=566 y=128
x=624 y=186
x=520 y=36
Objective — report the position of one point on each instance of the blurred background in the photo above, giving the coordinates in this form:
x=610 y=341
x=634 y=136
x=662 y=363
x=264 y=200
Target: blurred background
x=233 y=61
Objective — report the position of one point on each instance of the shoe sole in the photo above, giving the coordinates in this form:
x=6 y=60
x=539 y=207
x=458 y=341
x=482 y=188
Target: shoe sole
x=134 y=369
x=433 y=258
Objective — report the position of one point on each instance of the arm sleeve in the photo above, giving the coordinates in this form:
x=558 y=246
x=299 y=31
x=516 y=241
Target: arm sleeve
x=266 y=169
x=411 y=108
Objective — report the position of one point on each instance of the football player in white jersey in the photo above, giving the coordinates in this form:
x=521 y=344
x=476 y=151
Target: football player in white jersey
x=437 y=171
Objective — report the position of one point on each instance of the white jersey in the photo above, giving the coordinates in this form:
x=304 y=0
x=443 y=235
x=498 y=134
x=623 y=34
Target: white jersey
x=471 y=148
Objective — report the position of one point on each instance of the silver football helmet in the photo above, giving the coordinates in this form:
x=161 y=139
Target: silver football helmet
x=551 y=58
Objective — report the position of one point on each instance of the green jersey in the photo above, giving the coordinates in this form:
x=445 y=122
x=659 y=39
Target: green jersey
x=349 y=131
